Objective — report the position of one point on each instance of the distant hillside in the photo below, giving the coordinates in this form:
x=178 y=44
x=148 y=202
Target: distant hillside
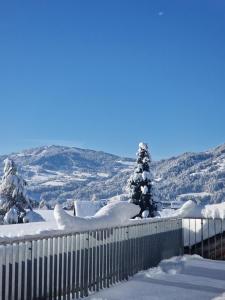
x=192 y=175
x=57 y=173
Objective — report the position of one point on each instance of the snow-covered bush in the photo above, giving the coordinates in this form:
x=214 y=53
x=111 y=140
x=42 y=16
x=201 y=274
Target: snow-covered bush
x=11 y=217
x=140 y=185
x=13 y=196
x=93 y=198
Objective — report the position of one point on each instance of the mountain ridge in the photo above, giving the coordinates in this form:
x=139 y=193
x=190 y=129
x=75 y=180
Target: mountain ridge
x=56 y=173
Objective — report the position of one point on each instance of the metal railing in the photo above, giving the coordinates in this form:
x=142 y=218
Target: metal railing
x=204 y=236
x=70 y=265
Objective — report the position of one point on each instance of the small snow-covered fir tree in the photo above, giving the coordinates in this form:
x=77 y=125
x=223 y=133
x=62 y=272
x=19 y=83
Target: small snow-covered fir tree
x=140 y=185
x=13 y=192
x=93 y=198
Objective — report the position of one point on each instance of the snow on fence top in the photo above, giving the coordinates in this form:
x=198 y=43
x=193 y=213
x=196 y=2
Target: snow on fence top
x=113 y=215
x=87 y=208
x=155 y=226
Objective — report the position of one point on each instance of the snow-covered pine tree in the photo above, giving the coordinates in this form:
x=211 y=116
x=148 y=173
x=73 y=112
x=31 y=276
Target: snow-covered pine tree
x=93 y=198
x=140 y=185
x=13 y=191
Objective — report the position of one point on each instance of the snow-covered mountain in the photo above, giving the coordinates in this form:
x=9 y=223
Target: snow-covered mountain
x=57 y=173
x=198 y=176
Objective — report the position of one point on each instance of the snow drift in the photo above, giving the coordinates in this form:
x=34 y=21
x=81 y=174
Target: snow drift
x=86 y=208
x=113 y=214
x=190 y=209
x=182 y=278
x=32 y=216
x=214 y=211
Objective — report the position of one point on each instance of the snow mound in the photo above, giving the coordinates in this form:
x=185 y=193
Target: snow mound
x=145 y=214
x=177 y=264
x=192 y=209
x=113 y=214
x=189 y=209
x=11 y=217
x=214 y=211
x=221 y=297
x=86 y=208
x=173 y=266
x=192 y=278
x=32 y=216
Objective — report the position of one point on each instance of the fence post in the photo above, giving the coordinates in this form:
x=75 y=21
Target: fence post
x=86 y=263
x=208 y=240
x=221 y=239
x=214 y=238
x=189 y=235
x=202 y=251
x=127 y=253
x=29 y=278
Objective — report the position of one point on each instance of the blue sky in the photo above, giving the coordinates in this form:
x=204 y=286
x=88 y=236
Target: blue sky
x=108 y=74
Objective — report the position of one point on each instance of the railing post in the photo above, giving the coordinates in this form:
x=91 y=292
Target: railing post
x=202 y=250
x=86 y=263
x=208 y=240
x=221 y=239
x=127 y=253
x=189 y=234
x=29 y=276
x=214 y=238
x=77 y=270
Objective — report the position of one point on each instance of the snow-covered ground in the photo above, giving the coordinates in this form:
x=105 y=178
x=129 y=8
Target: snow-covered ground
x=34 y=228
x=114 y=214
x=178 y=278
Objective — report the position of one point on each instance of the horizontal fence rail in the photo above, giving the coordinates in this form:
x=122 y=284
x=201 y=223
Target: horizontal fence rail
x=71 y=265
x=205 y=237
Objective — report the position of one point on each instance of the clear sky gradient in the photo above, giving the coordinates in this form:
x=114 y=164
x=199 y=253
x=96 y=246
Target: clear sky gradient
x=108 y=74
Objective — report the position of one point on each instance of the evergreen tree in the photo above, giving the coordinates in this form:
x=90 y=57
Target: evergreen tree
x=13 y=191
x=93 y=198
x=140 y=185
